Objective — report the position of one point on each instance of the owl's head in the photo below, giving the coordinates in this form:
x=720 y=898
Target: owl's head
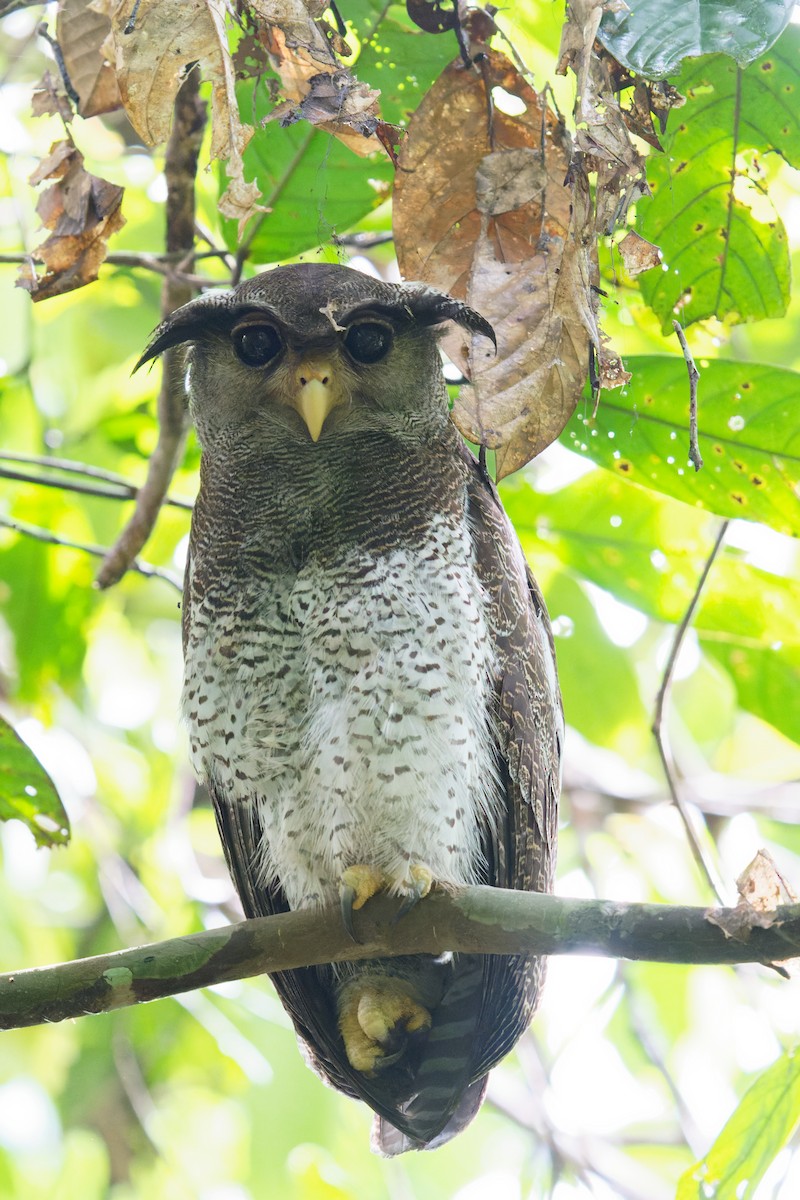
x=313 y=351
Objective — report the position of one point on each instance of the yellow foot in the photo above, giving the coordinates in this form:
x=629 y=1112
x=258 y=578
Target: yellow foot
x=362 y=881
x=377 y=1016
x=358 y=884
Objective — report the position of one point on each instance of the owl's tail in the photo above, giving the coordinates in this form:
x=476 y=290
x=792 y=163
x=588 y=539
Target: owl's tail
x=445 y=1098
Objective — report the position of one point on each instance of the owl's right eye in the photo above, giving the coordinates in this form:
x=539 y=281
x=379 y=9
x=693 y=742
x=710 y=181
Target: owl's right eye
x=256 y=345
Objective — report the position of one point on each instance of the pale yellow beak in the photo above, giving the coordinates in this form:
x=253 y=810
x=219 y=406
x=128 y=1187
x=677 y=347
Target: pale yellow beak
x=316 y=396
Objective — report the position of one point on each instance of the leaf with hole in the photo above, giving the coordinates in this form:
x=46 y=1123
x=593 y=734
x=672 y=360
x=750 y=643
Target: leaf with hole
x=747 y=432
x=724 y=246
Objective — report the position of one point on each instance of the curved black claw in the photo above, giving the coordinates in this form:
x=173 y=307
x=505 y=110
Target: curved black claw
x=347 y=897
x=411 y=901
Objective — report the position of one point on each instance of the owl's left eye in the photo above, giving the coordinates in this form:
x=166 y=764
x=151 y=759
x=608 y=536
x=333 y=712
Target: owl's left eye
x=256 y=345
x=368 y=342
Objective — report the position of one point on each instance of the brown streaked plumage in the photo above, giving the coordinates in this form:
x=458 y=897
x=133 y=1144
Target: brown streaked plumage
x=370 y=676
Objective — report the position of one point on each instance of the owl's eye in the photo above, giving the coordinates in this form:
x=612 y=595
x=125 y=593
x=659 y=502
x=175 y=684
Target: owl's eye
x=368 y=342
x=256 y=345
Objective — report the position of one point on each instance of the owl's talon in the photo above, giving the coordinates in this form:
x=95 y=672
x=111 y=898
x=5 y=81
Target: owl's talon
x=357 y=885
x=377 y=1019
x=415 y=888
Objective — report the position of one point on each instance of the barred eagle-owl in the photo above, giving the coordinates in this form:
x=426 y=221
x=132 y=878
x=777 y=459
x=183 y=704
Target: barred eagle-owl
x=370 y=684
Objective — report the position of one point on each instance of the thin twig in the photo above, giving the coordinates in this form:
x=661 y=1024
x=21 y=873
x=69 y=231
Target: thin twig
x=475 y=920
x=117 y=489
x=695 y=457
x=660 y=733
x=54 y=539
x=72 y=467
x=180 y=169
x=44 y=32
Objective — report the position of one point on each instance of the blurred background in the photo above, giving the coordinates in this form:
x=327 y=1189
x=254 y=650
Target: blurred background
x=630 y=1069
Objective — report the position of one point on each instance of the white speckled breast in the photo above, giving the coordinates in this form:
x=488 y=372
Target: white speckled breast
x=357 y=700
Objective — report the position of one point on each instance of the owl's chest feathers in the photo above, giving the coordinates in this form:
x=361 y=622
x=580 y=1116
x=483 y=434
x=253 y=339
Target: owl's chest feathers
x=347 y=696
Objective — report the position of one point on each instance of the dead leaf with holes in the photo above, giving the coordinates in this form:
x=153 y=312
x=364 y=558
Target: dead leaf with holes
x=602 y=132
x=154 y=49
x=84 y=35
x=638 y=254
x=483 y=212
x=50 y=100
x=317 y=87
x=761 y=889
x=82 y=212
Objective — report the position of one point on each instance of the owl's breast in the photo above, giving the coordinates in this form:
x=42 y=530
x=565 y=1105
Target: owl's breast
x=351 y=702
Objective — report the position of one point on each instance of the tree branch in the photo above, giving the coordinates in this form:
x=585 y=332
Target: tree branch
x=659 y=730
x=54 y=539
x=116 y=488
x=180 y=169
x=477 y=920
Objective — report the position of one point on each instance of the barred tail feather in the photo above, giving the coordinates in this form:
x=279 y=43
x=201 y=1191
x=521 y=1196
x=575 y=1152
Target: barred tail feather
x=445 y=1099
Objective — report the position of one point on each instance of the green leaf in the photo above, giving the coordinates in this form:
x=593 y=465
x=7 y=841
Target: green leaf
x=27 y=793
x=312 y=184
x=585 y=651
x=652 y=38
x=748 y=438
x=396 y=56
x=724 y=246
x=649 y=552
x=765 y=679
x=759 y=1128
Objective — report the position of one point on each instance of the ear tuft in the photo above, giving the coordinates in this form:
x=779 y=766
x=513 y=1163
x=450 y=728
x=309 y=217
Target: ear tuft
x=431 y=307
x=188 y=323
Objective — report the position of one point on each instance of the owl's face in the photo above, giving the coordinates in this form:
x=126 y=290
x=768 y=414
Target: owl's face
x=313 y=352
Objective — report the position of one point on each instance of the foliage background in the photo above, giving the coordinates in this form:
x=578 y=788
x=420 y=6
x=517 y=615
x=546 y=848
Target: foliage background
x=630 y=1070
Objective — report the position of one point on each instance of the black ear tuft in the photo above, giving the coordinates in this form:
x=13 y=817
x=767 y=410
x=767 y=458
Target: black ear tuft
x=188 y=323
x=431 y=307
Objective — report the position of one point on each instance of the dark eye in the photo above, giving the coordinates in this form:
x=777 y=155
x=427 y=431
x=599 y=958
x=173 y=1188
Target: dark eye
x=368 y=342
x=256 y=345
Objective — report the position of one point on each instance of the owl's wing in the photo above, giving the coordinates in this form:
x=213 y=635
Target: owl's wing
x=306 y=993
x=529 y=726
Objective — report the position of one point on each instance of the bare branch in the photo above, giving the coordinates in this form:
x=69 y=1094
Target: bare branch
x=115 y=486
x=476 y=920
x=53 y=539
x=695 y=457
x=180 y=168
x=10 y=6
x=660 y=733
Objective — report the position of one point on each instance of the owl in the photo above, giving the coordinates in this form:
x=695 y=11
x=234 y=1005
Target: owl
x=370 y=683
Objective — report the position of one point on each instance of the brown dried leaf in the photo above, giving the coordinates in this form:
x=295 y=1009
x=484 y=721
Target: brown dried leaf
x=739 y=922
x=638 y=254
x=762 y=889
x=334 y=99
x=318 y=88
x=50 y=99
x=490 y=220
x=82 y=34
x=82 y=212
x=298 y=48
x=167 y=38
x=602 y=132
x=762 y=886
x=611 y=370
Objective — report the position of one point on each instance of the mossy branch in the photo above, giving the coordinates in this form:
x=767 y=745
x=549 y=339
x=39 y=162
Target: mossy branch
x=478 y=920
